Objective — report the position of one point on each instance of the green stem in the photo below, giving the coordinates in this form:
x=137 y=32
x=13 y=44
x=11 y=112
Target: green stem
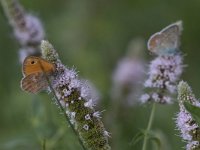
x=149 y=126
x=44 y=144
x=62 y=109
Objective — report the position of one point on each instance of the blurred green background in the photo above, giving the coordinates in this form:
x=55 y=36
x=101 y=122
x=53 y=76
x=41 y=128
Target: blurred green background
x=92 y=35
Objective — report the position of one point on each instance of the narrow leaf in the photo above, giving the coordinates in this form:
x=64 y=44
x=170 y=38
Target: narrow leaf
x=194 y=111
x=157 y=141
x=138 y=137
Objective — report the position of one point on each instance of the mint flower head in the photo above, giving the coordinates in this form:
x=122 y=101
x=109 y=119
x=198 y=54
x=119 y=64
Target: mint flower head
x=129 y=73
x=190 y=131
x=27 y=28
x=76 y=99
x=166 y=68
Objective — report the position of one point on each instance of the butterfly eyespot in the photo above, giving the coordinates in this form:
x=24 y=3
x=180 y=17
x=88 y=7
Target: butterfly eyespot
x=32 y=62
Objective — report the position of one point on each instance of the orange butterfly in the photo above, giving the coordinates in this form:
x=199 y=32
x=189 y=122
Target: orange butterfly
x=35 y=70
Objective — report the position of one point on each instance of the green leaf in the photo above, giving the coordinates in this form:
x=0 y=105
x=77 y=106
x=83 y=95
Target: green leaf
x=151 y=136
x=138 y=137
x=157 y=141
x=194 y=111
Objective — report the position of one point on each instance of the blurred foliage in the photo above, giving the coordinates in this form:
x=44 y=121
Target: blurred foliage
x=92 y=35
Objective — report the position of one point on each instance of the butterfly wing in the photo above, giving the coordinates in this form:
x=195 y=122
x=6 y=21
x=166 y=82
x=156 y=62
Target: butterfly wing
x=167 y=40
x=170 y=37
x=33 y=64
x=34 y=83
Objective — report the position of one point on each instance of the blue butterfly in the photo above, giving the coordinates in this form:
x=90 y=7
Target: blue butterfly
x=167 y=41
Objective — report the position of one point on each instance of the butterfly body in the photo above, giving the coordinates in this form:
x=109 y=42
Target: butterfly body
x=35 y=71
